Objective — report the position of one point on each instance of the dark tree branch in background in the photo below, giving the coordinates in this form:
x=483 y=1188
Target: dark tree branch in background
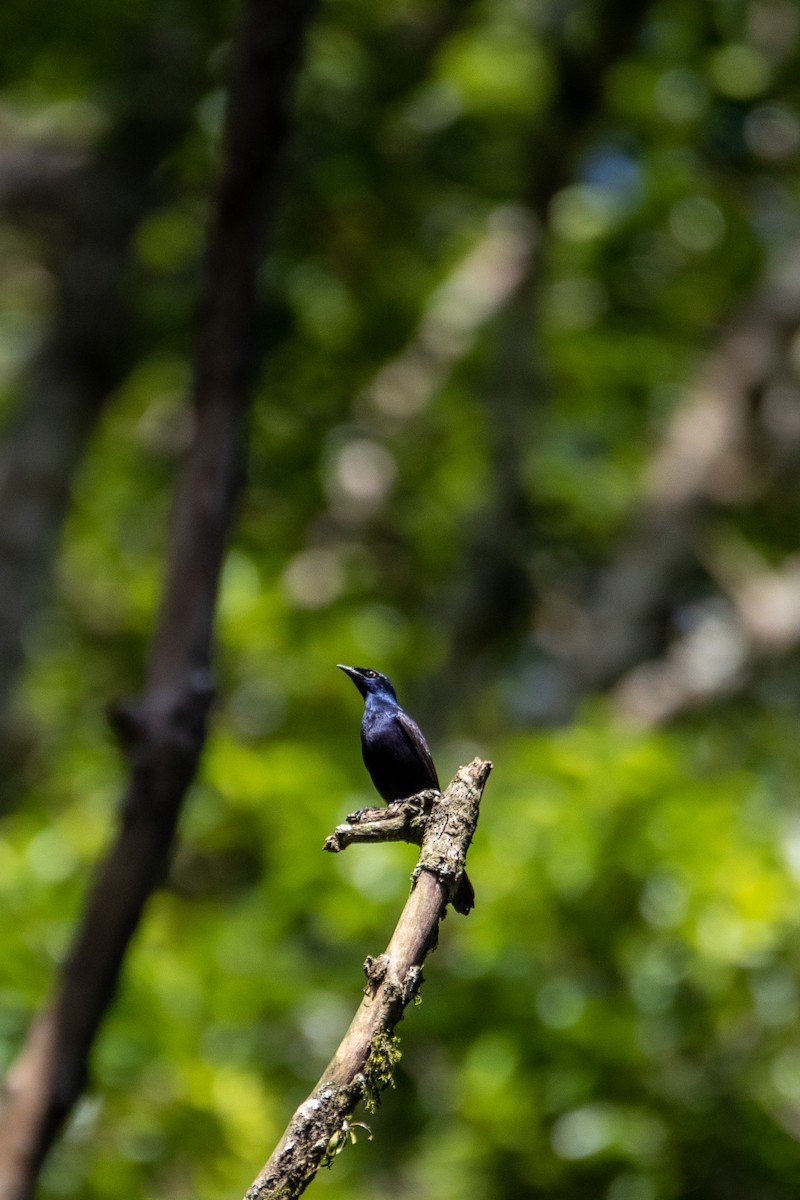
x=36 y=177
x=753 y=622
x=163 y=732
x=363 y=1064
x=86 y=209
x=492 y=608
x=710 y=450
x=581 y=65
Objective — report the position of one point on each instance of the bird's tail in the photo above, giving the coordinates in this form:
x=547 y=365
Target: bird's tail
x=464 y=899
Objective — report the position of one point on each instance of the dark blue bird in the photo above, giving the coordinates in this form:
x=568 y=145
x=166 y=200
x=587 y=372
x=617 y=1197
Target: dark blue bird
x=396 y=753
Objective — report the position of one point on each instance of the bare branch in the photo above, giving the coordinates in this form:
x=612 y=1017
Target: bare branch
x=362 y=1065
x=163 y=732
x=401 y=821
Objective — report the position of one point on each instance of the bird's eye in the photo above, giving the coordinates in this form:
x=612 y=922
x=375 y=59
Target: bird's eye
x=372 y=674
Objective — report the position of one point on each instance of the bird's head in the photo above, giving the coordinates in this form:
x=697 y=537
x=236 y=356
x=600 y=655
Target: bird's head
x=369 y=682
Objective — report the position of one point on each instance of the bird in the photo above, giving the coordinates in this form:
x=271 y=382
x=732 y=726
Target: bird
x=395 y=752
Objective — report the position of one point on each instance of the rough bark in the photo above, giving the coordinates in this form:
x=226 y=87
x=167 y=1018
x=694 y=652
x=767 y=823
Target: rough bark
x=163 y=731
x=403 y=822
x=362 y=1065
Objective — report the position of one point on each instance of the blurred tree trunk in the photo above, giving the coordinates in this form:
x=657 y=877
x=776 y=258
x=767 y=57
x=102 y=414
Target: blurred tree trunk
x=163 y=731
x=492 y=608
x=87 y=212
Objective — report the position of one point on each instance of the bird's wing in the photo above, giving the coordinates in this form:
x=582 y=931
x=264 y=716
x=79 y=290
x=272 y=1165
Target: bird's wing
x=416 y=742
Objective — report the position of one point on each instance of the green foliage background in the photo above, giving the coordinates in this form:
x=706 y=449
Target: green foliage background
x=619 y=1016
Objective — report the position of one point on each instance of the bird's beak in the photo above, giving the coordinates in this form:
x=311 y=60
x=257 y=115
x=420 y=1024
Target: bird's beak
x=357 y=678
